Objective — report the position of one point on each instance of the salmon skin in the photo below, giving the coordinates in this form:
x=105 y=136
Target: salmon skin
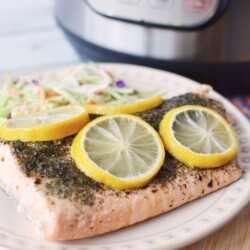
x=64 y=204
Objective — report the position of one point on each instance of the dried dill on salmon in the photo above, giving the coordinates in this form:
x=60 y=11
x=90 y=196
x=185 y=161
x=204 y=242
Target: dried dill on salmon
x=154 y=116
x=54 y=171
x=50 y=164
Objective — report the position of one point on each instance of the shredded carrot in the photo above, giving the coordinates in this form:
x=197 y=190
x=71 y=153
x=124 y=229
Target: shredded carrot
x=91 y=101
x=51 y=94
x=42 y=96
x=99 y=92
x=14 y=92
x=109 y=73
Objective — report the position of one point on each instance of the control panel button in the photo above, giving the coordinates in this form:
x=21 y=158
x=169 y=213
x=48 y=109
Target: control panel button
x=175 y=13
x=197 y=5
x=129 y=1
x=160 y=3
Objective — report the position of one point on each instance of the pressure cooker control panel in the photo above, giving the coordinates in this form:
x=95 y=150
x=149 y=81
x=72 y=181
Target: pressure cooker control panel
x=175 y=13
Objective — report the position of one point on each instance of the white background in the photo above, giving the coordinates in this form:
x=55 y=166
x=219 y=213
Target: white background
x=30 y=37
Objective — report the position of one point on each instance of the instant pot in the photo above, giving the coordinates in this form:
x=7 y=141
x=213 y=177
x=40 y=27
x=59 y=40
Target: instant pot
x=207 y=40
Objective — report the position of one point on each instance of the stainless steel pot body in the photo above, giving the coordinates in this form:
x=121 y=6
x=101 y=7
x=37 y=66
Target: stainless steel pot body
x=213 y=50
x=225 y=40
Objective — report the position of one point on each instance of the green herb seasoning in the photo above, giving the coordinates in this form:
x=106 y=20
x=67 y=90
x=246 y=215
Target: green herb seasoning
x=54 y=171
x=154 y=116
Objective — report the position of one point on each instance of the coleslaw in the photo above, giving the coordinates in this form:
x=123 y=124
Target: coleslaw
x=86 y=84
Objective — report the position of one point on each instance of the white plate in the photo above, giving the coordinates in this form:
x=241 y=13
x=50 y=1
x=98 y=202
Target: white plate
x=172 y=230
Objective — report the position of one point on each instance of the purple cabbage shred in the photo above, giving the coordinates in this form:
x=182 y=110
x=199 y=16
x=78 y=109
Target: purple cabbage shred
x=120 y=84
x=35 y=82
x=16 y=80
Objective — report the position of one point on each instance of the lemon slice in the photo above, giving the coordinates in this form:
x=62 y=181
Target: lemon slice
x=128 y=107
x=198 y=136
x=121 y=151
x=45 y=126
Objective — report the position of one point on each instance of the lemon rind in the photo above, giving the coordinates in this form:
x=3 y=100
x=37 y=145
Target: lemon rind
x=125 y=109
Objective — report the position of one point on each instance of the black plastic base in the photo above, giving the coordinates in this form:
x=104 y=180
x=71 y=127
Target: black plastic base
x=226 y=78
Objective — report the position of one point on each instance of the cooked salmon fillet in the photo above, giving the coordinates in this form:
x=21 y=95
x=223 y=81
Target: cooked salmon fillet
x=64 y=204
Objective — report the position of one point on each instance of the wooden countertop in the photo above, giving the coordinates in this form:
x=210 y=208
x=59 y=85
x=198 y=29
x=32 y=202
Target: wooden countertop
x=233 y=236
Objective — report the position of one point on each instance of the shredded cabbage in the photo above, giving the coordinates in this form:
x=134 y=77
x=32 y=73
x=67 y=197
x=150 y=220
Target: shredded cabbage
x=86 y=84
